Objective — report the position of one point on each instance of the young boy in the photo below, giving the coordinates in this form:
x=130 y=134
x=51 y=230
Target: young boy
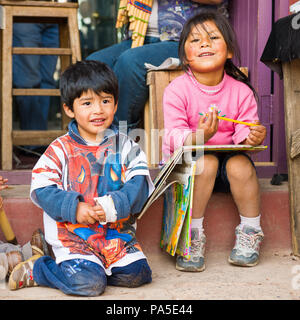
x=89 y=183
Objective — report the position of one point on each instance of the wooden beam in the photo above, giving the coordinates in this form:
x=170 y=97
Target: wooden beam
x=6 y=90
x=264 y=164
x=43 y=51
x=39 y=4
x=35 y=137
x=36 y=92
x=295 y=144
x=291 y=78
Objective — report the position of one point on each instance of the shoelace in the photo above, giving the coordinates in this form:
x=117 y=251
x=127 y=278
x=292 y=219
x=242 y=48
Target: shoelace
x=248 y=241
x=196 y=247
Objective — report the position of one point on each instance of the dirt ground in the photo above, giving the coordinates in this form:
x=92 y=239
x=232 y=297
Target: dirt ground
x=276 y=277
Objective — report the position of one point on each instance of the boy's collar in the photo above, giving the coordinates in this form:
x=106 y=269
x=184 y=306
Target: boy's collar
x=74 y=133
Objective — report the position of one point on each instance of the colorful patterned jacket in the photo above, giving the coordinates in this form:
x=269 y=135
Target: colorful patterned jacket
x=71 y=171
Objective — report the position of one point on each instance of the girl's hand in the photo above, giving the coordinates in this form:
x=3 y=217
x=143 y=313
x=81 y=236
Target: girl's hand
x=85 y=213
x=257 y=135
x=209 y=124
x=2 y=183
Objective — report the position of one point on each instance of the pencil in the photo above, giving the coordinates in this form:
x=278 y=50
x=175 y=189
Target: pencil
x=235 y=121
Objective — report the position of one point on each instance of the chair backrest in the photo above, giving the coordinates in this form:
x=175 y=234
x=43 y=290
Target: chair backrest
x=158 y=81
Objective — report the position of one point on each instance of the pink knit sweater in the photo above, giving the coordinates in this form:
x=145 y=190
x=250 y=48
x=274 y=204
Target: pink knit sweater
x=184 y=98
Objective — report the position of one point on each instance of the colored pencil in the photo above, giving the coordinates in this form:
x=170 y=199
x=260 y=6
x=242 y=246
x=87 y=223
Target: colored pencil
x=237 y=121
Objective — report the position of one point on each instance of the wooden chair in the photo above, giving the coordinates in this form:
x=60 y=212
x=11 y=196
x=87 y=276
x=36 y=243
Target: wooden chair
x=153 y=113
x=65 y=14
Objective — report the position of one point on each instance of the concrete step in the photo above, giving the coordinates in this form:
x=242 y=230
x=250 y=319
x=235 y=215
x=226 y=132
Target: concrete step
x=220 y=220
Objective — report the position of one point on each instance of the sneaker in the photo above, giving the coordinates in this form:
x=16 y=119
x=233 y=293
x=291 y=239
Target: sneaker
x=21 y=275
x=38 y=243
x=13 y=258
x=196 y=261
x=8 y=261
x=245 y=252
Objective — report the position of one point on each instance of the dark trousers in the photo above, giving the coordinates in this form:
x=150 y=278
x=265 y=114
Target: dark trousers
x=85 y=278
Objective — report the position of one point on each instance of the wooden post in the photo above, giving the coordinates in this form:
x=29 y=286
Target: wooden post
x=6 y=92
x=291 y=76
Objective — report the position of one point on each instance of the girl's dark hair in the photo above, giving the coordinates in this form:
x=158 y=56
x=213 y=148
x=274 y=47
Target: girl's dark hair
x=87 y=75
x=229 y=36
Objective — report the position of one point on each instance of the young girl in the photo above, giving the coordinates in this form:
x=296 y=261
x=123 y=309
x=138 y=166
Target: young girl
x=212 y=84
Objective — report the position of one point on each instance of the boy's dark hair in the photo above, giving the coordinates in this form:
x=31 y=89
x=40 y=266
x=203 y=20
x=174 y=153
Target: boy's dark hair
x=87 y=75
x=229 y=36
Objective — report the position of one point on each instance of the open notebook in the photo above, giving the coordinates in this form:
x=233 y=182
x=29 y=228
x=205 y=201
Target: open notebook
x=160 y=182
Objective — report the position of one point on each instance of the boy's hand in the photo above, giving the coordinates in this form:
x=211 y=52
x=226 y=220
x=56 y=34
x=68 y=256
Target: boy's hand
x=257 y=135
x=88 y=214
x=209 y=124
x=100 y=213
x=2 y=183
x=85 y=213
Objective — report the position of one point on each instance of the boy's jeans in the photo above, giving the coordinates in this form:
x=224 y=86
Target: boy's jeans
x=86 y=278
x=128 y=65
x=34 y=71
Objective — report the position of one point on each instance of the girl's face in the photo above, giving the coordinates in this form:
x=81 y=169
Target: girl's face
x=206 y=50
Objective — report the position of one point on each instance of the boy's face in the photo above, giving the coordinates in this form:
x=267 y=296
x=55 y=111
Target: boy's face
x=93 y=113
